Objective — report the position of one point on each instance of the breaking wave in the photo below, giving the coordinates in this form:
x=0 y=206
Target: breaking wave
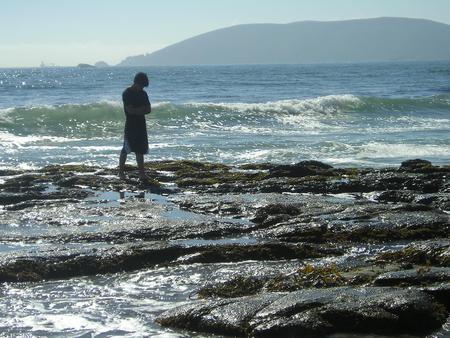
x=103 y=119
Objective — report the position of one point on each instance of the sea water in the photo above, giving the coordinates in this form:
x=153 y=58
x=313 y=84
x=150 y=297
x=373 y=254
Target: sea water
x=374 y=114
x=345 y=115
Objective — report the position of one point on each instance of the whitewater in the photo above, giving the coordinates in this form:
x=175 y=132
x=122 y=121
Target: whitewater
x=347 y=115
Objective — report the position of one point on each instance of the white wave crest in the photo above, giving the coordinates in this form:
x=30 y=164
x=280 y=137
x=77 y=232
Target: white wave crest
x=11 y=140
x=323 y=105
x=386 y=150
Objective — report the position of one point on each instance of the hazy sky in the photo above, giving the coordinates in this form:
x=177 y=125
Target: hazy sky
x=68 y=32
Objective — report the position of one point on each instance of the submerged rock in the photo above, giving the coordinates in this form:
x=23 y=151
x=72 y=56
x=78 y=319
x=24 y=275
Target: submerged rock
x=313 y=312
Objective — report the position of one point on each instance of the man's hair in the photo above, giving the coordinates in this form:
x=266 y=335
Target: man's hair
x=141 y=79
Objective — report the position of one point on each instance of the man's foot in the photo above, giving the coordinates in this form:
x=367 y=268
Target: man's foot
x=122 y=176
x=143 y=178
x=148 y=181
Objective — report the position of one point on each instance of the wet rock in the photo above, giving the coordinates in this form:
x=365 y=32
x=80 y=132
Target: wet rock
x=25 y=183
x=39 y=204
x=92 y=181
x=58 y=266
x=441 y=292
x=394 y=180
x=304 y=168
x=276 y=213
x=190 y=316
x=432 y=252
x=32 y=198
x=417 y=165
x=304 y=277
x=439 y=201
x=10 y=172
x=298 y=211
x=397 y=196
x=156 y=231
x=130 y=220
x=306 y=176
x=308 y=276
x=68 y=169
x=186 y=167
x=13 y=198
x=220 y=178
x=256 y=166
x=419 y=276
x=362 y=222
x=128 y=257
x=213 y=207
x=238 y=286
x=302 y=207
x=233 y=317
x=111 y=183
x=265 y=251
x=333 y=184
x=314 y=312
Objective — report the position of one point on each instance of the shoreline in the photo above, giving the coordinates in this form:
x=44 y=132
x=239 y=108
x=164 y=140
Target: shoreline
x=331 y=250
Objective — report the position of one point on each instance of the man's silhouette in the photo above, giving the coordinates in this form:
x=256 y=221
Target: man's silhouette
x=136 y=105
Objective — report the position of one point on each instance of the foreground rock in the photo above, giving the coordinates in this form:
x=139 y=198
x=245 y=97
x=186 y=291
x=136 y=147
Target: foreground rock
x=321 y=250
x=314 y=312
x=71 y=263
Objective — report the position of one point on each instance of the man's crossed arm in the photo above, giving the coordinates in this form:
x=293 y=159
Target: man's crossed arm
x=141 y=110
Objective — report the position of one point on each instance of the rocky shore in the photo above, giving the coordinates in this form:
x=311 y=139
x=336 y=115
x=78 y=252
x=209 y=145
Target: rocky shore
x=311 y=250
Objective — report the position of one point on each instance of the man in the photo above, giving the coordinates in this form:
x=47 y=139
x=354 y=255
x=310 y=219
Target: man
x=136 y=105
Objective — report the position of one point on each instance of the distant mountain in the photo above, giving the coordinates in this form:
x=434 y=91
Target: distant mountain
x=85 y=65
x=379 y=39
x=101 y=64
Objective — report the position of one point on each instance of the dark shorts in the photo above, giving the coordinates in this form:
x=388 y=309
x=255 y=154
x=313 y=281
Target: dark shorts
x=127 y=148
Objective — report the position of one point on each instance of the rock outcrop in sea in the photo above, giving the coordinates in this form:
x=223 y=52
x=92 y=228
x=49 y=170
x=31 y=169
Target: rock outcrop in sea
x=312 y=250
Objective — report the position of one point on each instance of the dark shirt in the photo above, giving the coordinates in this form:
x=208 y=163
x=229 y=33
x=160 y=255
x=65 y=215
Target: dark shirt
x=134 y=98
x=135 y=127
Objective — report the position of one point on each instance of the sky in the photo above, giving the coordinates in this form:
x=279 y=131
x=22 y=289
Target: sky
x=69 y=32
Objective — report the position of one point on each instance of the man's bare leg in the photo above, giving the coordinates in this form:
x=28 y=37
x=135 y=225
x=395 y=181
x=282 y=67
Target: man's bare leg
x=122 y=160
x=140 y=163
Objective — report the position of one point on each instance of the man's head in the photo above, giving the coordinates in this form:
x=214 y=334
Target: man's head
x=141 y=80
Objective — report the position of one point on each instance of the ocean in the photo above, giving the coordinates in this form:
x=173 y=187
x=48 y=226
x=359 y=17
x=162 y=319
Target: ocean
x=374 y=114
x=346 y=115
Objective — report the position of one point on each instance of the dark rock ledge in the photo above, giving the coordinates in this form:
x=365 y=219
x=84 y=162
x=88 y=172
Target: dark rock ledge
x=308 y=216
x=314 y=312
x=61 y=264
